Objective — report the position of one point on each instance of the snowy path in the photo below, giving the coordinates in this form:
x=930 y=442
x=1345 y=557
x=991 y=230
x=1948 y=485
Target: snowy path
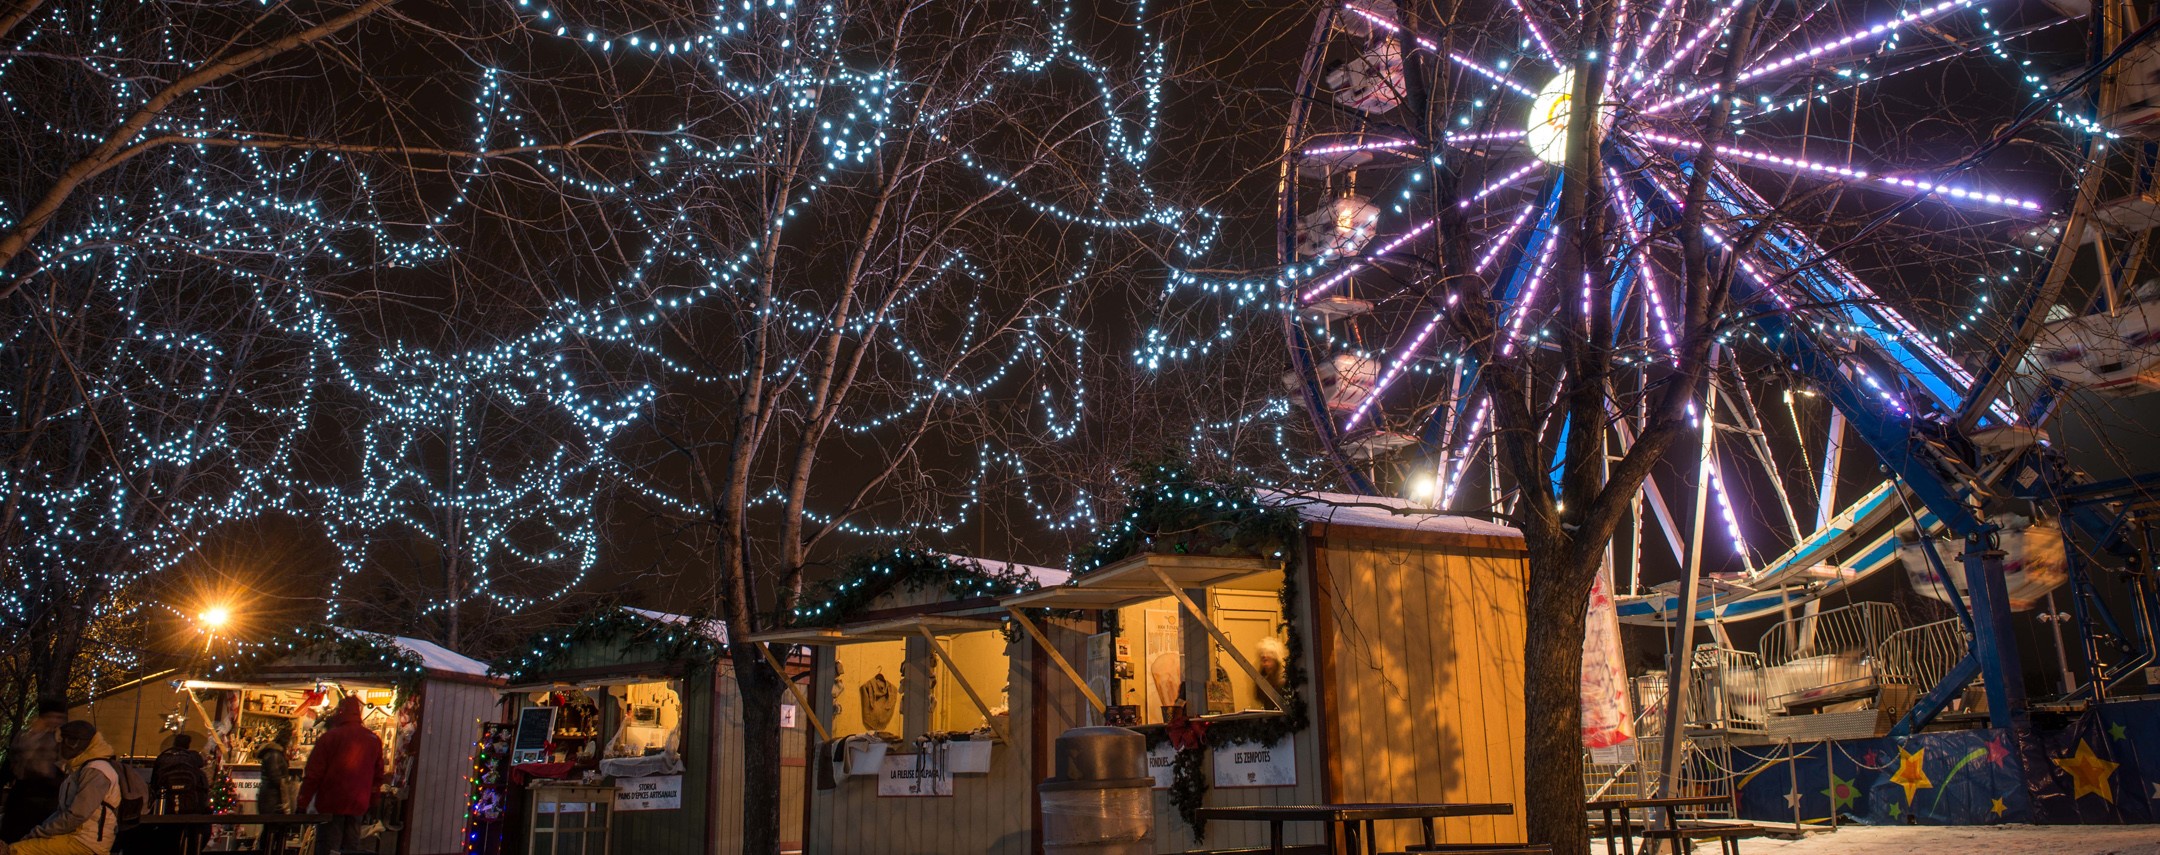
x=1968 y=840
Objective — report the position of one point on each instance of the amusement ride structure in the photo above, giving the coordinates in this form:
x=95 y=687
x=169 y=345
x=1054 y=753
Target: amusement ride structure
x=1976 y=503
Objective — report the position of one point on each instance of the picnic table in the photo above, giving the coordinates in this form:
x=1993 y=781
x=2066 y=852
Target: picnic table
x=1350 y=826
x=206 y=820
x=1624 y=828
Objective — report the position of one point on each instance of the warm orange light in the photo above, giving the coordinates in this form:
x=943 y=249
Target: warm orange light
x=215 y=617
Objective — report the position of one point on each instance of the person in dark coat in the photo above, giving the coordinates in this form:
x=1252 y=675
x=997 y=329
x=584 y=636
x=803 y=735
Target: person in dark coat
x=34 y=772
x=344 y=769
x=275 y=757
x=179 y=784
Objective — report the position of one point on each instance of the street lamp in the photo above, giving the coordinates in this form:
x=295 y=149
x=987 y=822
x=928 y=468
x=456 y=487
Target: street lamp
x=215 y=618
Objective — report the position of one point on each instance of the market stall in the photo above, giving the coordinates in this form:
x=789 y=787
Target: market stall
x=423 y=700
x=626 y=736
x=938 y=711
x=1282 y=650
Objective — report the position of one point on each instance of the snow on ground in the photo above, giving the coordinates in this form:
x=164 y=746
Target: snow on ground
x=1965 y=840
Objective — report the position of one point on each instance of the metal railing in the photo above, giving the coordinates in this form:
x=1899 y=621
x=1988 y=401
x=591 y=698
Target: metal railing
x=1725 y=691
x=1921 y=656
x=1829 y=648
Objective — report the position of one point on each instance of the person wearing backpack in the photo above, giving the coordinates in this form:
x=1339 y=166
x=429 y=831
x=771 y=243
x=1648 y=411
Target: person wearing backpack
x=343 y=771
x=99 y=797
x=179 y=783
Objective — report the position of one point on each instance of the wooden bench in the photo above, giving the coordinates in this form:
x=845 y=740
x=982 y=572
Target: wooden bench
x=1480 y=849
x=1684 y=835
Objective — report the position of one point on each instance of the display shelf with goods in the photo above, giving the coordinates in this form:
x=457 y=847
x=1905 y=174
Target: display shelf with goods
x=928 y=693
x=641 y=704
x=410 y=691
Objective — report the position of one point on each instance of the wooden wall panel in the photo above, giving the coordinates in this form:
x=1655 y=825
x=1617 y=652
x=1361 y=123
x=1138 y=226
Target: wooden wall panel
x=1426 y=692
x=988 y=812
x=450 y=716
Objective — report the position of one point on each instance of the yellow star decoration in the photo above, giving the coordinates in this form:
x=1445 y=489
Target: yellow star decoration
x=1999 y=807
x=1910 y=774
x=2088 y=773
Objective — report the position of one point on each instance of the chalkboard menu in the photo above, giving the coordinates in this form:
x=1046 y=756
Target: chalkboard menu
x=535 y=725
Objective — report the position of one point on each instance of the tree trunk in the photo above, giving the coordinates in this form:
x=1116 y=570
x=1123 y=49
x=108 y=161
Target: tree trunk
x=761 y=695
x=1552 y=703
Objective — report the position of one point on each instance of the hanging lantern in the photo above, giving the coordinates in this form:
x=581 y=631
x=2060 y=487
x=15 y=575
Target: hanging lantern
x=1340 y=228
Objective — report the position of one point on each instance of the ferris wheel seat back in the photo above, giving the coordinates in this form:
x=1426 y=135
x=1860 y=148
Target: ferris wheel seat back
x=1345 y=381
x=1340 y=228
x=2034 y=561
x=2117 y=355
x=1372 y=82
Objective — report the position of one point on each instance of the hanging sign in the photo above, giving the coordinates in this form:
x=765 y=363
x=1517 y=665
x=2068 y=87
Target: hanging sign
x=1251 y=764
x=900 y=776
x=787 y=716
x=1159 y=760
x=659 y=792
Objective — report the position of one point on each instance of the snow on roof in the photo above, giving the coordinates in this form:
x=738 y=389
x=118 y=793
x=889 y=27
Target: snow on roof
x=716 y=629
x=1379 y=512
x=440 y=659
x=1044 y=576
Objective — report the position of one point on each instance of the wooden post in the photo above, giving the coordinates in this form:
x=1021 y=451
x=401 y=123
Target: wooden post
x=793 y=689
x=1224 y=640
x=965 y=686
x=1043 y=642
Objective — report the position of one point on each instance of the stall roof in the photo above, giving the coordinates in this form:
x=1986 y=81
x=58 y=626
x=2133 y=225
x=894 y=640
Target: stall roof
x=440 y=659
x=716 y=629
x=1380 y=512
x=1044 y=576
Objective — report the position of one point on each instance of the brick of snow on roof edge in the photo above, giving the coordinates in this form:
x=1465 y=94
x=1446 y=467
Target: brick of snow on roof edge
x=714 y=628
x=1047 y=577
x=1379 y=512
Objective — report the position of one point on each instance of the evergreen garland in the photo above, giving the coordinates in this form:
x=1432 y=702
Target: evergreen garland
x=693 y=642
x=350 y=648
x=1170 y=511
x=865 y=577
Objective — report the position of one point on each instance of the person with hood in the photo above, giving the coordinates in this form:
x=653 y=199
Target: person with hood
x=34 y=768
x=343 y=771
x=89 y=813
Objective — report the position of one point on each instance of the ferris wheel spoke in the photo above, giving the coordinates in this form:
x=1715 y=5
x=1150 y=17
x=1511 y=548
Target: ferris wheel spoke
x=1408 y=354
x=1702 y=37
x=1429 y=46
x=1805 y=57
x=1348 y=269
x=1948 y=193
x=1631 y=216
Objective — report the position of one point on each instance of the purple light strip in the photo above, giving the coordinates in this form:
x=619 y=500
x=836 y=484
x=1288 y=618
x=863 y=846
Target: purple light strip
x=1883 y=29
x=1402 y=359
x=1732 y=520
x=1355 y=266
x=1529 y=298
x=1649 y=37
x=1485 y=137
x=1794 y=164
x=1643 y=267
x=1462 y=457
x=1492 y=74
x=1314 y=292
x=1702 y=36
x=1348 y=147
x=1537 y=35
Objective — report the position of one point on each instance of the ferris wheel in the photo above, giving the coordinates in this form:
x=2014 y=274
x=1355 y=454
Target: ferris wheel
x=1828 y=109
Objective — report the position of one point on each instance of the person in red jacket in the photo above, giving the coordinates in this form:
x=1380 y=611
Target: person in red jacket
x=343 y=771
